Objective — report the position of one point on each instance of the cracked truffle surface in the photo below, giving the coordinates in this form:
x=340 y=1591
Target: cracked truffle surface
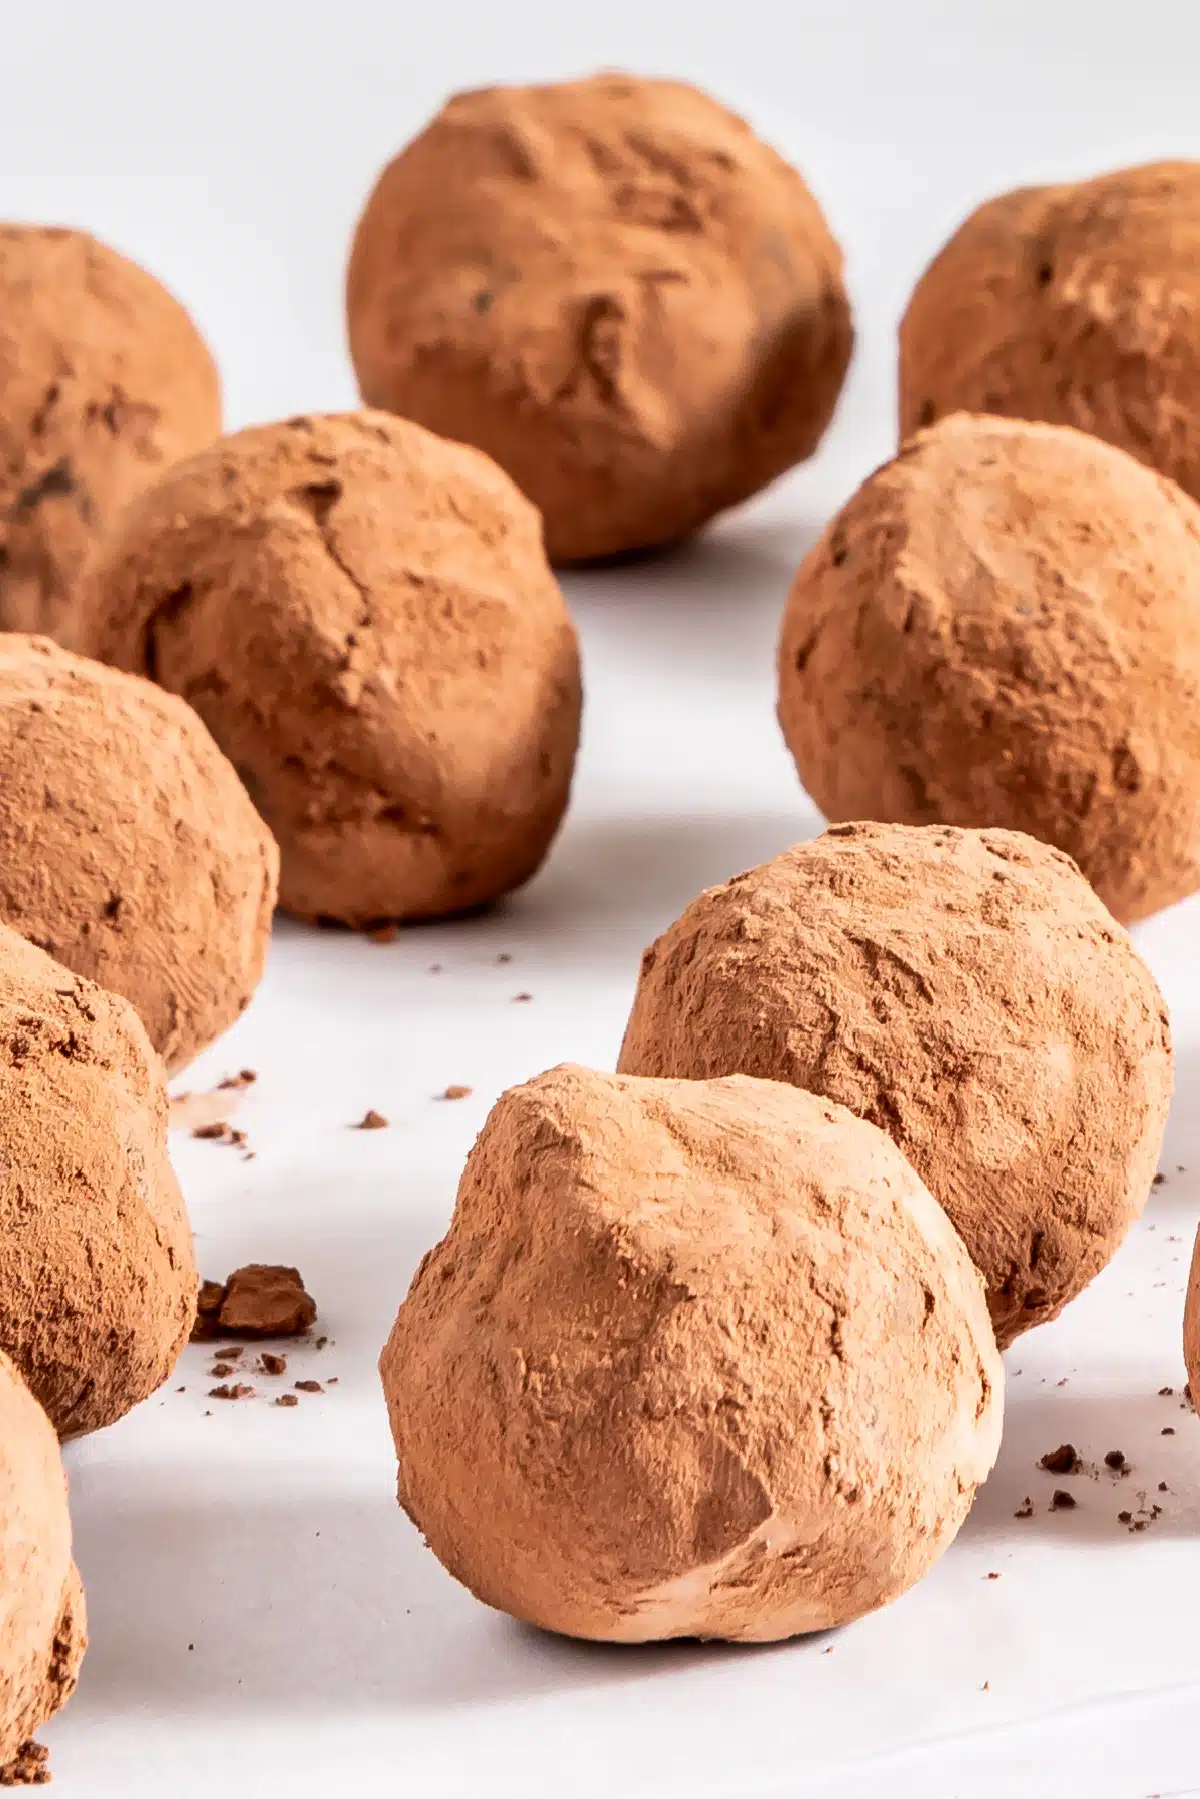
x=695 y=1359
x=615 y=289
x=41 y=1598
x=364 y=617
x=1074 y=304
x=964 y=990
x=1002 y=627
x=97 y=1275
x=104 y=381
x=128 y=848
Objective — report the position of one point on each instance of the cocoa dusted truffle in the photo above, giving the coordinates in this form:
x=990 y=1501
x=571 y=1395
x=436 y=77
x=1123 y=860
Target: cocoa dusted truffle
x=695 y=1359
x=97 y=1276
x=1074 y=304
x=104 y=380
x=363 y=616
x=964 y=990
x=44 y=1635
x=1002 y=627
x=128 y=848
x=615 y=289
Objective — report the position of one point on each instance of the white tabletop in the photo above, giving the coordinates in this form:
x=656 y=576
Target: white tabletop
x=264 y=1620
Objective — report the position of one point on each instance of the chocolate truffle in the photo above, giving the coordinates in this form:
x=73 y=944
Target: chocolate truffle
x=363 y=616
x=616 y=290
x=964 y=990
x=695 y=1359
x=104 y=380
x=41 y=1598
x=97 y=1276
x=1074 y=304
x=1002 y=627
x=128 y=848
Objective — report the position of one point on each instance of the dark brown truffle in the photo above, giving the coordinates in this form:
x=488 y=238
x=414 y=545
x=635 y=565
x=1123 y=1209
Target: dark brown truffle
x=128 y=848
x=615 y=289
x=1074 y=304
x=964 y=990
x=44 y=1633
x=1002 y=627
x=104 y=381
x=363 y=616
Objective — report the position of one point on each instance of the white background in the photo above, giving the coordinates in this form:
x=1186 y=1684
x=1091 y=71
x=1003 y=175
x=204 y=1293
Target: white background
x=264 y=1620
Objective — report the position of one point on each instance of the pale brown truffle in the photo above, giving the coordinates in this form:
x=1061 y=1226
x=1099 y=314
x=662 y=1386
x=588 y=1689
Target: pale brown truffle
x=128 y=848
x=967 y=992
x=1074 y=304
x=104 y=381
x=41 y=1598
x=97 y=1274
x=363 y=616
x=695 y=1359
x=1002 y=627
x=615 y=289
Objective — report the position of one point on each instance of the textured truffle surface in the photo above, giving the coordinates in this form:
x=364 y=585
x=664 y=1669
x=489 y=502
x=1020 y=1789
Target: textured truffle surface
x=695 y=1359
x=97 y=1275
x=42 y=1619
x=1002 y=627
x=1074 y=304
x=128 y=848
x=615 y=289
x=363 y=616
x=104 y=380
x=964 y=990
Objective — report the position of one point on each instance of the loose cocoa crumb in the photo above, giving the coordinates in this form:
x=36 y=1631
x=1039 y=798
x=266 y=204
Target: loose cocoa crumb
x=372 y=1121
x=234 y=1082
x=1160 y=1179
x=287 y=1399
x=1063 y=1460
x=1115 y=1459
x=455 y=1091
x=1163 y=1487
x=309 y=1386
x=1168 y=1430
x=239 y=1391
x=231 y=1351
x=259 y=1300
x=237 y=1138
x=520 y=999
x=1166 y=1392
x=991 y=1577
x=31 y=1767
x=1025 y=1510
x=211 y=1133
x=321 y=1342
x=219 y=1370
x=384 y=933
x=272 y=1364
x=1124 y=1517
x=1062 y=1501
x=503 y=957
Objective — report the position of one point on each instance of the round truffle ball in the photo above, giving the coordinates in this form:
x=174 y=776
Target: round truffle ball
x=104 y=380
x=44 y=1634
x=696 y=1359
x=128 y=847
x=967 y=992
x=1002 y=627
x=364 y=617
x=616 y=290
x=97 y=1276
x=1074 y=304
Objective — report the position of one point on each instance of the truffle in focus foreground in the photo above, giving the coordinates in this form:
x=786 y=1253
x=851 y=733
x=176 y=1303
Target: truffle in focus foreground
x=41 y=1597
x=615 y=289
x=967 y=992
x=97 y=1274
x=695 y=1359
x=1074 y=304
x=1002 y=627
x=364 y=617
x=104 y=381
x=130 y=851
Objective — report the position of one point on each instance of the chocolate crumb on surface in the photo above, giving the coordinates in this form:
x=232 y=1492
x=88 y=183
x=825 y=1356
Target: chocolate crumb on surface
x=1063 y=1501
x=287 y=1399
x=1163 y=1487
x=238 y=1391
x=262 y=1299
x=1160 y=1179
x=1168 y=1430
x=455 y=1091
x=1124 y=1517
x=322 y=1342
x=246 y=1077
x=1025 y=1509
x=272 y=1364
x=211 y=1133
x=309 y=1386
x=219 y=1370
x=1063 y=1460
x=1166 y=1392
x=29 y=1768
x=1115 y=1459
x=372 y=1121
x=520 y=999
